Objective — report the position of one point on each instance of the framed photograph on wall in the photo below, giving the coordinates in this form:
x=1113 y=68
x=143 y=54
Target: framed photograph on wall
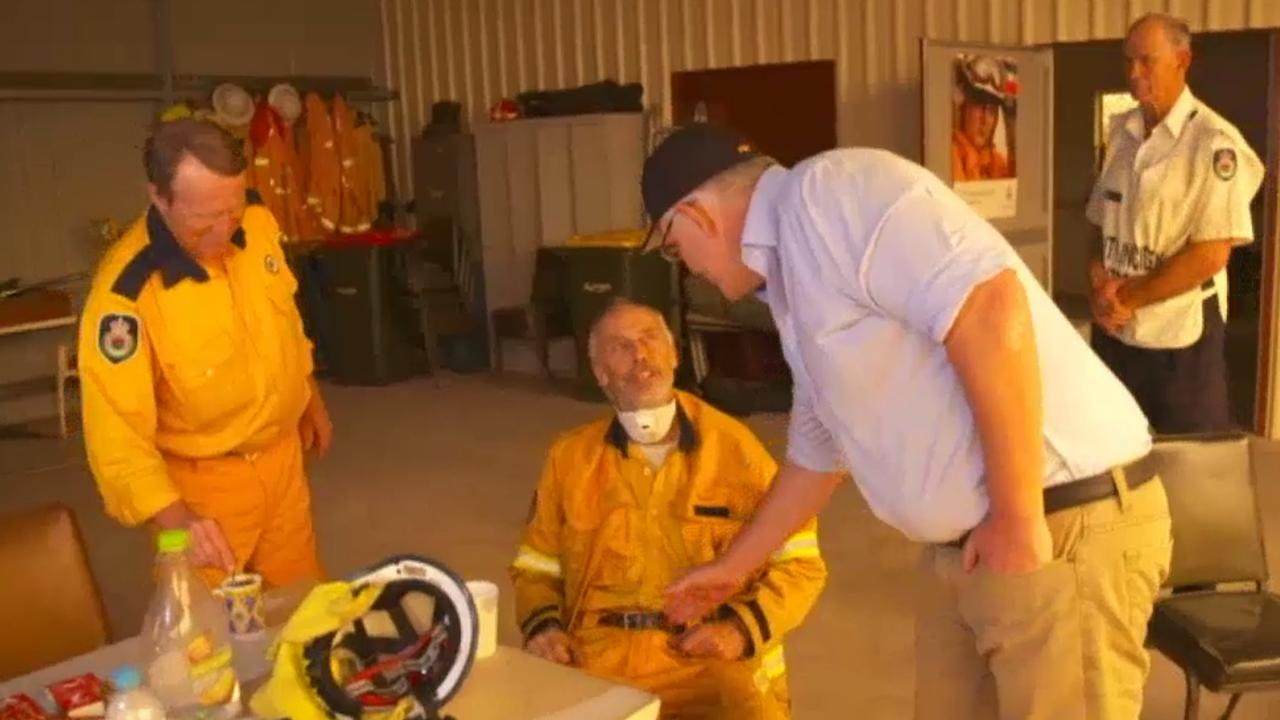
x=984 y=148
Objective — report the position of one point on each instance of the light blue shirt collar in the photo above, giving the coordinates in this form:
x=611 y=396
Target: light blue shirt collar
x=760 y=229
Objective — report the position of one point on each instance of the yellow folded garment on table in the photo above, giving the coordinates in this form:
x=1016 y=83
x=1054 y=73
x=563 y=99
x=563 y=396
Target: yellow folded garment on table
x=288 y=693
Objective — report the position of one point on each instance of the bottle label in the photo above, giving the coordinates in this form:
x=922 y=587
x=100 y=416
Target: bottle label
x=212 y=676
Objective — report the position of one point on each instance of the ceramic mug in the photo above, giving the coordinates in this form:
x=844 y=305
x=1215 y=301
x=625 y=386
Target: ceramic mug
x=242 y=595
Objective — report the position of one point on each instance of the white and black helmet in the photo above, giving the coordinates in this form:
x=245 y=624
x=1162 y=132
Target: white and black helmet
x=417 y=640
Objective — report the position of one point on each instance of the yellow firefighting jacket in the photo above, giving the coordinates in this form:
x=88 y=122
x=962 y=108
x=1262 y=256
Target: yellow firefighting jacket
x=320 y=151
x=606 y=530
x=303 y=224
x=180 y=359
x=271 y=174
x=355 y=215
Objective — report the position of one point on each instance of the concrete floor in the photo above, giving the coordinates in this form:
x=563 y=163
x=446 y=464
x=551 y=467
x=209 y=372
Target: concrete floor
x=445 y=468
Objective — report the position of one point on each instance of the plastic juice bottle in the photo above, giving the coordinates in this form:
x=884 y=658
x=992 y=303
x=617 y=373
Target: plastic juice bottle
x=189 y=658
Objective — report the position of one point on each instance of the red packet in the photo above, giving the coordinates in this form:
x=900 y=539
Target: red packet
x=80 y=697
x=21 y=707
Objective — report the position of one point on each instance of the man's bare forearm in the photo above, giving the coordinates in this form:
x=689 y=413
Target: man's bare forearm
x=992 y=346
x=796 y=495
x=174 y=515
x=1187 y=270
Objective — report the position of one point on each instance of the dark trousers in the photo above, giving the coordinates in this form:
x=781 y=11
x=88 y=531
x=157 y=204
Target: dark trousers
x=1181 y=390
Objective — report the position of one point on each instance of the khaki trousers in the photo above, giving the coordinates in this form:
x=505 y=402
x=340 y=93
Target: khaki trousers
x=1063 y=642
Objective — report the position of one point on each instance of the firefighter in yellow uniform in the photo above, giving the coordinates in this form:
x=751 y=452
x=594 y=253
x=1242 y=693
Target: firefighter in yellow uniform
x=198 y=399
x=624 y=506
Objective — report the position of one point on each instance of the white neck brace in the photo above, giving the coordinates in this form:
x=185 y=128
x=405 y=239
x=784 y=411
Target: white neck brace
x=648 y=425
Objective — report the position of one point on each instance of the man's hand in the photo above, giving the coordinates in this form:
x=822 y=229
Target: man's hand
x=552 y=644
x=1009 y=545
x=713 y=641
x=794 y=498
x=1097 y=273
x=1104 y=300
x=1121 y=311
x=315 y=428
x=209 y=547
x=701 y=590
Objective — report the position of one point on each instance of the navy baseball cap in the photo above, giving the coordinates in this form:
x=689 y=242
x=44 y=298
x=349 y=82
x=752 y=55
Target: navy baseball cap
x=685 y=159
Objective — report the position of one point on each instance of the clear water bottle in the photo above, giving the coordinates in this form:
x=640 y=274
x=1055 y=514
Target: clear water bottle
x=130 y=700
x=189 y=664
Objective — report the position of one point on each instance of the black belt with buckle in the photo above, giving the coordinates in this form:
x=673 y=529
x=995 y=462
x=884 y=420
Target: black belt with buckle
x=1082 y=492
x=651 y=620
x=636 y=621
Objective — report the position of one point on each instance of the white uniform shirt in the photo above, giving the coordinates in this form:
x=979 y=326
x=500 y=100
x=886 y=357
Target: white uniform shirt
x=1190 y=181
x=867 y=259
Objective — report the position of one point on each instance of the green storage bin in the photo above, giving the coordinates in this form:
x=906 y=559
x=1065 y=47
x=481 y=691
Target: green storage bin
x=375 y=327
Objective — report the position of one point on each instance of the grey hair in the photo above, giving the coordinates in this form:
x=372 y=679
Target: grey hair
x=616 y=305
x=740 y=176
x=1176 y=29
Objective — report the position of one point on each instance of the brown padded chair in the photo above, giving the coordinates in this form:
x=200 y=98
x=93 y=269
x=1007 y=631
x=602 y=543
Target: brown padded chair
x=1220 y=625
x=50 y=609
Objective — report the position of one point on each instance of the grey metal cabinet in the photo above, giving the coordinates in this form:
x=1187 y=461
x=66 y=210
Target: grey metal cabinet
x=543 y=180
x=442 y=167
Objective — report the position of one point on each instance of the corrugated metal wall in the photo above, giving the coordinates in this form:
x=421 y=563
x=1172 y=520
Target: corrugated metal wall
x=64 y=163
x=477 y=51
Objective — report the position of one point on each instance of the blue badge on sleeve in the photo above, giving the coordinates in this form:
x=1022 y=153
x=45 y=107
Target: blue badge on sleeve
x=118 y=336
x=1224 y=163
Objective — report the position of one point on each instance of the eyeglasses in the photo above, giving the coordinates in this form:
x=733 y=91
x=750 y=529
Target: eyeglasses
x=669 y=252
x=665 y=248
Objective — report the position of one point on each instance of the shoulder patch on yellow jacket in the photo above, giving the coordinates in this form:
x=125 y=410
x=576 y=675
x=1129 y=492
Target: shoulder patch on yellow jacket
x=118 y=336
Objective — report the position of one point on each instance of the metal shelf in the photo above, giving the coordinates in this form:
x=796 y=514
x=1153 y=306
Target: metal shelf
x=145 y=87
x=167 y=86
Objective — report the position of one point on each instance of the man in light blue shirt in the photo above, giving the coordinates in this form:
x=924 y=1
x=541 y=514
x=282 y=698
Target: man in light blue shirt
x=931 y=366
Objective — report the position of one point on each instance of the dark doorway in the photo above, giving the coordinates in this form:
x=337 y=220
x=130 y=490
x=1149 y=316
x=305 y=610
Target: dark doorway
x=788 y=110
x=1230 y=72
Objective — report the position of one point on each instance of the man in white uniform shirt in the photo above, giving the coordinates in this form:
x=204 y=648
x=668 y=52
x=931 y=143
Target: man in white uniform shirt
x=1171 y=201
x=930 y=364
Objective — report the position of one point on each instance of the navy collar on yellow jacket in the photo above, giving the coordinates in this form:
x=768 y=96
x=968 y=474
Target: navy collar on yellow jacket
x=174 y=263
x=617 y=436
x=163 y=254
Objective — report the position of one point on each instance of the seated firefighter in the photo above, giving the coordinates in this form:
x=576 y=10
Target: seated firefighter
x=624 y=506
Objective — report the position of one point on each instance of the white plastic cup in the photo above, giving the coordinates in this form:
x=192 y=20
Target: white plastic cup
x=485 y=595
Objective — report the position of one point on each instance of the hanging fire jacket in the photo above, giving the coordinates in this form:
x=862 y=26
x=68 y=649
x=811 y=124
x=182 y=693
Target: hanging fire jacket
x=324 y=192
x=355 y=215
